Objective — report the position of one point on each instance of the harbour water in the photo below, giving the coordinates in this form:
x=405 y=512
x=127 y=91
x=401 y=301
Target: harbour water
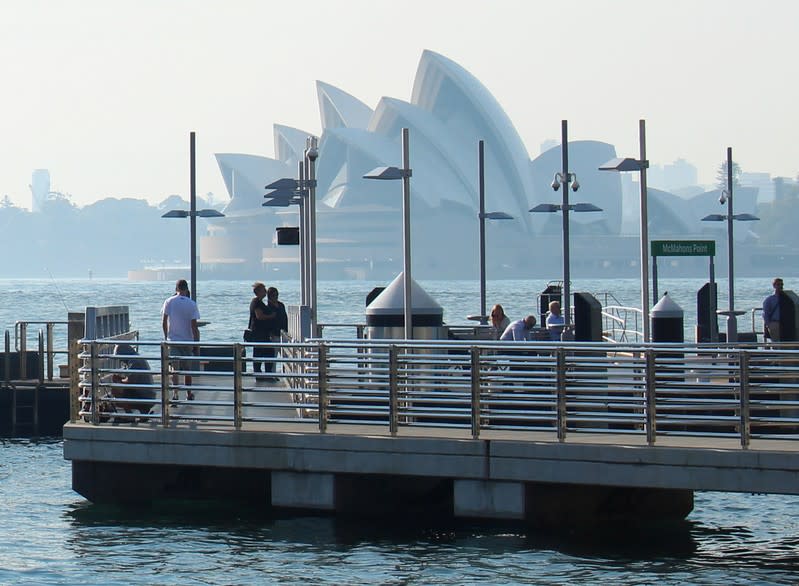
x=51 y=535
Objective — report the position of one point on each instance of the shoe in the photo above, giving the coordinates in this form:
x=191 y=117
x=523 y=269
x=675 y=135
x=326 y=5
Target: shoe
x=189 y=395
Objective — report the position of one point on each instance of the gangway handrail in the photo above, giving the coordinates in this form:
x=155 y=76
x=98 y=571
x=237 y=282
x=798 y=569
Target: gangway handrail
x=650 y=390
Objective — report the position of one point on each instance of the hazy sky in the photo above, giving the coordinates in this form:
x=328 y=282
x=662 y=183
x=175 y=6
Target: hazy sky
x=104 y=93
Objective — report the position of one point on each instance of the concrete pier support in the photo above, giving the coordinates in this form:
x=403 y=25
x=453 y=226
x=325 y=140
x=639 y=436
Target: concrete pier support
x=303 y=490
x=489 y=499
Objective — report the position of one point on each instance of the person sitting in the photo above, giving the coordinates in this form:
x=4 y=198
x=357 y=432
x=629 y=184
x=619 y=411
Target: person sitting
x=519 y=330
x=137 y=381
x=555 y=321
x=499 y=320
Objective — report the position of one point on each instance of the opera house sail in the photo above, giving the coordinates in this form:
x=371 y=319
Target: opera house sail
x=359 y=222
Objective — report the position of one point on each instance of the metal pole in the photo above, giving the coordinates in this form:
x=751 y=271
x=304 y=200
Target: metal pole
x=303 y=239
x=644 y=231
x=732 y=321
x=564 y=148
x=654 y=280
x=312 y=234
x=481 y=181
x=193 y=214
x=406 y=234
x=714 y=318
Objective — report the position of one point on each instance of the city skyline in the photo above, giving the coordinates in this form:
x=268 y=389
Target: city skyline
x=104 y=96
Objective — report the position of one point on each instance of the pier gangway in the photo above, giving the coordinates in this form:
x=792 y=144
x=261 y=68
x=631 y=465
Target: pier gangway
x=488 y=419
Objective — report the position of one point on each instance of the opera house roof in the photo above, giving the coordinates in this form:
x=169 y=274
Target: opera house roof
x=449 y=112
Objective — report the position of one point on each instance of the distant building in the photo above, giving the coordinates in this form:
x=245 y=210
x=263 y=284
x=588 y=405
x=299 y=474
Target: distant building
x=762 y=181
x=677 y=177
x=40 y=188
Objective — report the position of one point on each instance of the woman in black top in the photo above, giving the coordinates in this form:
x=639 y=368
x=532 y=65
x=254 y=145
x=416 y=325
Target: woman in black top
x=262 y=320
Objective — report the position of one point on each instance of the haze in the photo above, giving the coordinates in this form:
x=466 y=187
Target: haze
x=104 y=94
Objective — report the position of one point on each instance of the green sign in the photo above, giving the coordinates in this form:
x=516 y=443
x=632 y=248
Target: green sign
x=683 y=247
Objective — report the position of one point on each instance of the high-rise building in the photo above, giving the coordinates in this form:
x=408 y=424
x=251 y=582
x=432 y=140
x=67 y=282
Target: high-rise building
x=40 y=188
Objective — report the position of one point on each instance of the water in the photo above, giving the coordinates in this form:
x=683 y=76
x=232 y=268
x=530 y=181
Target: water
x=50 y=535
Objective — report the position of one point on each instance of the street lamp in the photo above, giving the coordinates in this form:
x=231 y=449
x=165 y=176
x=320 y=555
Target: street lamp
x=483 y=216
x=565 y=180
x=302 y=191
x=193 y=214
x=726 y=197
x=640 y=165
x=393 y=173
x=311 y=154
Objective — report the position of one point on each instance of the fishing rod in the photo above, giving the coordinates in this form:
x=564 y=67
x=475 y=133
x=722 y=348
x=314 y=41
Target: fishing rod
x=60 y=295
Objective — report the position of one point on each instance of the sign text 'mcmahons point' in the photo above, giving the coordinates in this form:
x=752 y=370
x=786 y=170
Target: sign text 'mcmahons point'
x=683 y=247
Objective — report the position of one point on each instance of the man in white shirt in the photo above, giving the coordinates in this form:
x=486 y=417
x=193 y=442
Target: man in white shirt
x=519 y=330
x=555 y=321
x=180 y=315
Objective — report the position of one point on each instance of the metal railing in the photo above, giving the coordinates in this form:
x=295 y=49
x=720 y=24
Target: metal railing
x=653 y=390
x=45 y=344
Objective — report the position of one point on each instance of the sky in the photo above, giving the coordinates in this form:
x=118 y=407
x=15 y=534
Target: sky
x=104 y=93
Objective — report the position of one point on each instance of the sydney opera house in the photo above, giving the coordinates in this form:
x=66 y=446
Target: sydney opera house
x=359 y=222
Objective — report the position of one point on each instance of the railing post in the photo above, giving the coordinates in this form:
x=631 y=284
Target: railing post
x=561 y=390
x=50 y=357
x=476 y=384
x=74 y=382
x=393 y=387
x=650 y=396
x=164 y=384
x=746 y=419
x=95 y=382
x=41 y=357
x=321 y=385
x=23 y=351
x=237 y=386
x=7 y=359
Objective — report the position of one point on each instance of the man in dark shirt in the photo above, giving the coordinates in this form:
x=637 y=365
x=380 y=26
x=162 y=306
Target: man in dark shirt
x=771 y=311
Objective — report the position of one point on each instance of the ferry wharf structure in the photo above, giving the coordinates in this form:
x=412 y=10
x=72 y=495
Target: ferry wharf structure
x=547 y=433
x=35 y=383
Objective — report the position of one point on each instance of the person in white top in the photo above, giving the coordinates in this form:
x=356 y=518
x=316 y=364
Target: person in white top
x=555 y=321
x=519 y=330
x=179 y=321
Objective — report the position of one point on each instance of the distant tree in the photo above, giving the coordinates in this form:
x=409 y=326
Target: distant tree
x=173 y=202
x=7 y=203
x=721 y=175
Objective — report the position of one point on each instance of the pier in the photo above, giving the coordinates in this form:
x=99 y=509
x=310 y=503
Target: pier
x=544 y=432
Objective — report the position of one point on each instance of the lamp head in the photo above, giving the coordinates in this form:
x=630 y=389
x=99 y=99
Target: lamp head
x=723 y=198
x=575 y=184
x=556 y=182
x=312 y=153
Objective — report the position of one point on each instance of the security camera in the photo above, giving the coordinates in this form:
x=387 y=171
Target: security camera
x=555 y=184
x=575 y=185
x=312 y=153
x=723 y=198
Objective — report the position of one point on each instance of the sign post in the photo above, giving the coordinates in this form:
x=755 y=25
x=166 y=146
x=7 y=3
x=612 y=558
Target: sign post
x=687 y=248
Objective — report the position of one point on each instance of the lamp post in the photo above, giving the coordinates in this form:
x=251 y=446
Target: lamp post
x=393 y=173
x=193 y=213
x=483 y=216
x=640 y=165
x=726 y=197
x=565 y=180
x=302 y=192
x=311 y=154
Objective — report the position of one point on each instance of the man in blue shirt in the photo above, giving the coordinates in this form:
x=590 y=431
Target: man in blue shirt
x=519 y=330
x=771 y=311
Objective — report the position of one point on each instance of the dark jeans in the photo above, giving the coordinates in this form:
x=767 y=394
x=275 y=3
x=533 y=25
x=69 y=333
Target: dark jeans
x=263 y=352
